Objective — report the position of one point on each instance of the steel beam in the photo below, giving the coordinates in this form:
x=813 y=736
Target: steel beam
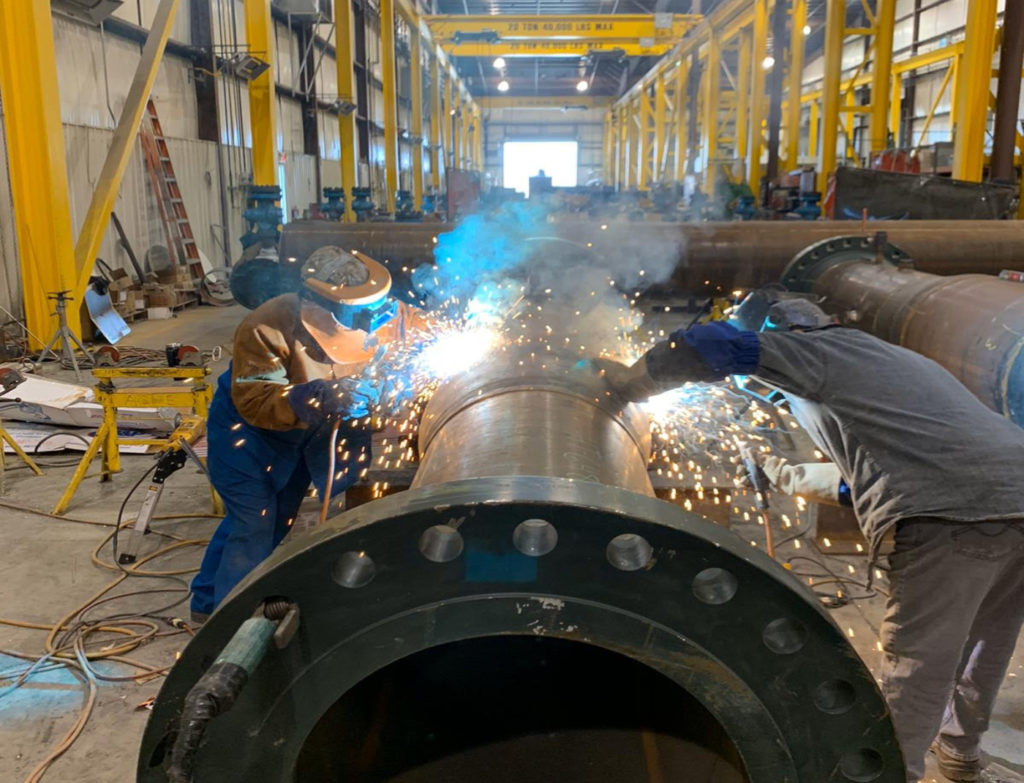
x=416 y=115
x=553 y=48
x=660 y=110
x=972 y=92
x=1011 y=56
x=259 y=34
x=881 y=73
x=343 y=55
x=36 y=161
x=97 y=219
x=709 y=126
x=450 y=122
x=544 y=102
x=682 y=105
x=625 y=121
x=835 y=26
x=436 y=120
x=794 y=80
x=759 y=50
x=390 y=100
x=568 y=27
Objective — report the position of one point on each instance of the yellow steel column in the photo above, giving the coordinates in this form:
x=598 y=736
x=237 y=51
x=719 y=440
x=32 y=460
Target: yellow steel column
x=436 y=121
x=972 y=91
x=36 y=158
x=812 y=135
x=97 y=218
x=645 y=173
x=709 y=127
x=464 y=141
x=682 y=107
x=390 y=98
x=416 y=115
x=632 y=177
x=881 y=72
x=660 y=159
x=606 y=146
x=622 y=180
x=758 y=78
x=895 y=99
x=259 y=31
x=346 y=95
x=794 y=81
x=448 y=126
x=835 y=27
x=743 y=93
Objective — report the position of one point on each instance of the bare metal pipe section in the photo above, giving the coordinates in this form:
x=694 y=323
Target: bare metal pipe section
x=696 y=257
x=973 y=325
x=538 y=422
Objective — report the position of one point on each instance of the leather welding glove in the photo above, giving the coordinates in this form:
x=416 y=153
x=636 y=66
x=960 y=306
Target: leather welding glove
x=817 y=482
x=316 y=400
x=666 y=366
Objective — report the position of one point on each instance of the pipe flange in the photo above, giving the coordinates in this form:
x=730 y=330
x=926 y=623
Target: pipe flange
x=525 y=556
x=809 y=264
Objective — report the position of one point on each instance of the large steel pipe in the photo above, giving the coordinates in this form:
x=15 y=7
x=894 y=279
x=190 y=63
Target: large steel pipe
x=973 y=325
x=528 y=613
x=695 y=257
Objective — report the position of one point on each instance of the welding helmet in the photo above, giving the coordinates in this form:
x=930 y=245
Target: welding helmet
x=774 y=309
x=343 y=290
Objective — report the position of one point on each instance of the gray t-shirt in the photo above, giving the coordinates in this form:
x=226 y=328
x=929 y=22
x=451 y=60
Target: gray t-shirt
x=908 y=438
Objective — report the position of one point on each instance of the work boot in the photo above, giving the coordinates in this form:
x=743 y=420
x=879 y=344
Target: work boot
x=956 y=768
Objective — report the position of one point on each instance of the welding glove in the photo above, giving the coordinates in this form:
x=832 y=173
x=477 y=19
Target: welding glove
x=316 y=400
x=817 y=482
x=666 y=366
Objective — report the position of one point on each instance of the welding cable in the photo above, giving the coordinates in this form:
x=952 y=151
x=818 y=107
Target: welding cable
x=332 y=453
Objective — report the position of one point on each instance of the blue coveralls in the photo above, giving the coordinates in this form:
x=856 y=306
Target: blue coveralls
x=262 y=476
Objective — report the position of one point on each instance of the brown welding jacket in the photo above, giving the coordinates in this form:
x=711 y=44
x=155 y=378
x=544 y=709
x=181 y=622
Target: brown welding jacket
x=273 y=351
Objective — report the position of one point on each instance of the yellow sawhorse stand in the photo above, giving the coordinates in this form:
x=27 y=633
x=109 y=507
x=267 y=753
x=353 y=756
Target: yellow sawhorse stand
x=5 y=437
x=194 y=395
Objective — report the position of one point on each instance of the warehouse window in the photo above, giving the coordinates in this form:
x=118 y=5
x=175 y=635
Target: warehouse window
x=523 y=159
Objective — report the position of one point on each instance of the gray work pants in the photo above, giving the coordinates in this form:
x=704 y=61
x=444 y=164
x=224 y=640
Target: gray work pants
x=952 y=620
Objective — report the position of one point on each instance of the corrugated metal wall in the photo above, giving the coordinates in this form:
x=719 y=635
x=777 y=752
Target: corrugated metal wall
x=585 y=127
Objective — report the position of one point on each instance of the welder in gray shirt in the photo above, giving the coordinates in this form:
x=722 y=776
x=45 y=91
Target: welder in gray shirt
x=916 y=450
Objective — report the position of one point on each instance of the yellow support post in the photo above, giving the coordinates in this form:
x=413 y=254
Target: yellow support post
x=36 y=160
x=881 y=72
x=682 y=102
x=659 y=157
x=607 y=146
x=743 y=73
x=972 y=91
x=895 y=99
x=467 y=122
x=416 y=115
x=812 y=135
x=436 y=122
x=448 y=125
x=259 y=34
x=835 y=26
x=621 y=180
x=709 y=127
x=758 y=79
x=390 y=99
x=794 y=80
x=346 y=95
x=97 y=219
x=644 y=171
x=632 y=177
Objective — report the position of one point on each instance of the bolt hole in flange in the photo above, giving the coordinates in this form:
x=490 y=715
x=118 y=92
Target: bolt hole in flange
x=629 y=552
x=715 y=586
x=861 y=766
x=441 y=543
x=784 y=636
x=354 y=569
x=535 y=537
x=834 y=697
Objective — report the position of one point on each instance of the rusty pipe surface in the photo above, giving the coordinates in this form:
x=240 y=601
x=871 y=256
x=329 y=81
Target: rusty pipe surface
x=973 y=325
x=695 y=257
x=538 y=422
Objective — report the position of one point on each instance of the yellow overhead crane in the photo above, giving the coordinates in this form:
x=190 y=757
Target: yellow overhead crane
x=558 y=35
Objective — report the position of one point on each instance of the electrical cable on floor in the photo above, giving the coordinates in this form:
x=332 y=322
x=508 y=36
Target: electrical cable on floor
x=77 y=640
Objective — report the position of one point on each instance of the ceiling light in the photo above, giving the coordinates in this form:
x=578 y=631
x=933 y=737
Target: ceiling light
x=807 y=29
x=499 y=62
x=503 y=85
x=582 y=85
x=768 y=63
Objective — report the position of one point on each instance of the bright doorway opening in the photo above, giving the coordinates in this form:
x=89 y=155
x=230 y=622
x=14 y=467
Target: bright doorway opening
x=524 y=159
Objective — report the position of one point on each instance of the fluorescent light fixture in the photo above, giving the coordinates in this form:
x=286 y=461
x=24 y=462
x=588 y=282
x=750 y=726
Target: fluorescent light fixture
x=768 y=63
x=499 y=62
x=503 y=85
x=807 y=29
x=582 y=85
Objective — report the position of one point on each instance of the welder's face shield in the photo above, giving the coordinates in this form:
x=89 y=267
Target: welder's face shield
x=367 y=317
x=774 y=309
x=750 y=314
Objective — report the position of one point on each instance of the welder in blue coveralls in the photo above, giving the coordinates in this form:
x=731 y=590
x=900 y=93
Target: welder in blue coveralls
x=299 y=361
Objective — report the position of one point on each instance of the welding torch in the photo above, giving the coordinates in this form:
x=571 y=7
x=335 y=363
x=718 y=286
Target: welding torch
x=759 y=483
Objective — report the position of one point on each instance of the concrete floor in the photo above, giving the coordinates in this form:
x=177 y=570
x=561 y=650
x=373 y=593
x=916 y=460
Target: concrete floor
x=47 y=572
